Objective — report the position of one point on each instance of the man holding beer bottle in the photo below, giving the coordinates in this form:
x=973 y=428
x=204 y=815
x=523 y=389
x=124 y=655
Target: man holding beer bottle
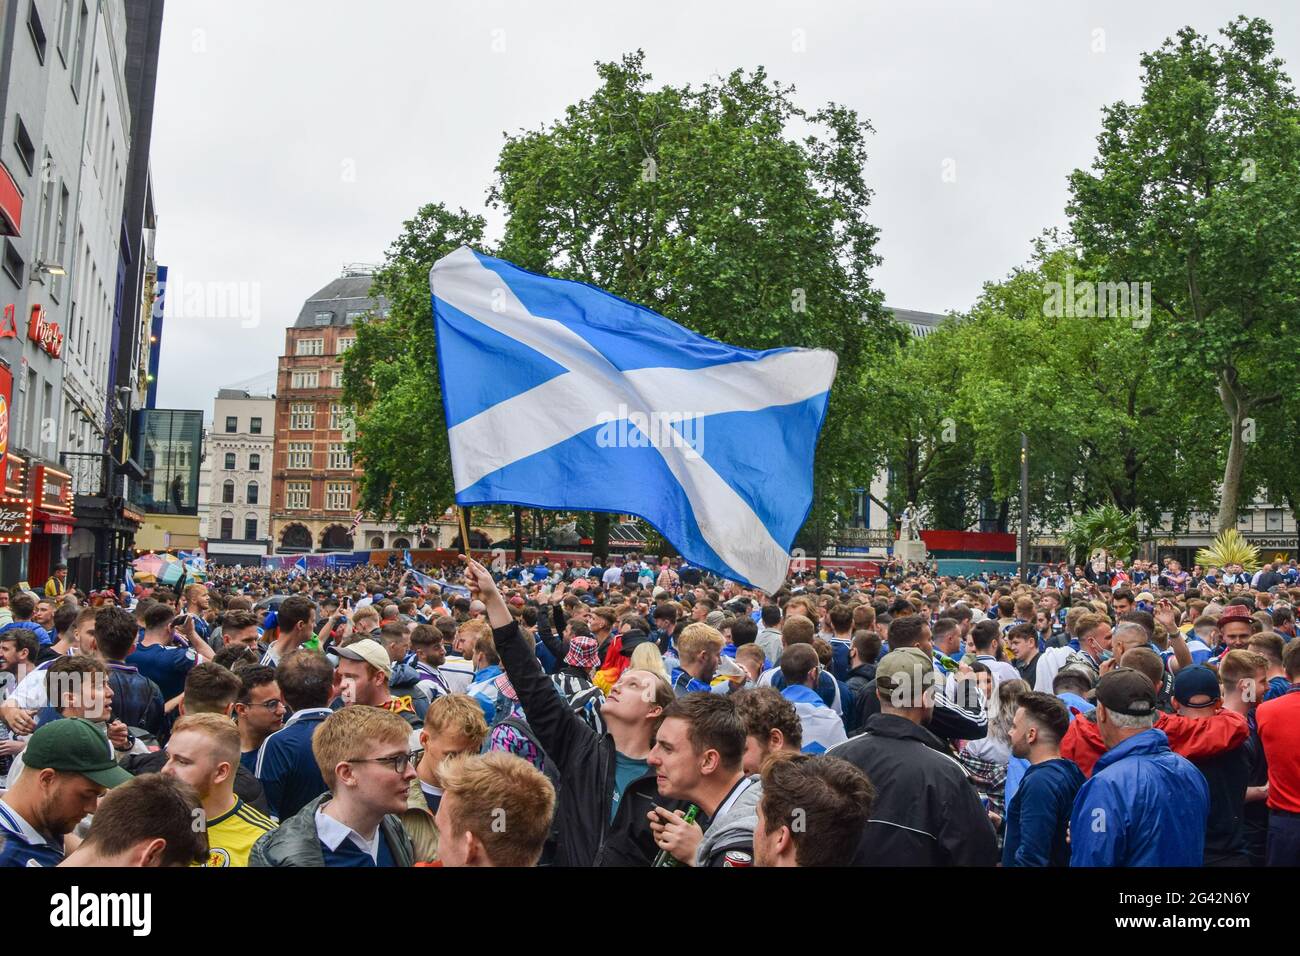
x=698 y=756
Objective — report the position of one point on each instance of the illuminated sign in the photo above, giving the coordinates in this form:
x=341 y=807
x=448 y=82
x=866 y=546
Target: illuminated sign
x=47 y=335
x=15 y=520
x=52 y=489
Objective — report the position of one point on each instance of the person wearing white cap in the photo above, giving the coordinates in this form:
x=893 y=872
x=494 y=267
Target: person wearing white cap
x=365 y=669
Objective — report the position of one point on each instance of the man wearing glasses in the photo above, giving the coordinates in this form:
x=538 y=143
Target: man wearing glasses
x=259 y=711
x=364 y=758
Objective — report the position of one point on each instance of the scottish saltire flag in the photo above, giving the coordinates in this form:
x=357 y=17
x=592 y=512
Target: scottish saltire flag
x=298 y=567
x=560 y=395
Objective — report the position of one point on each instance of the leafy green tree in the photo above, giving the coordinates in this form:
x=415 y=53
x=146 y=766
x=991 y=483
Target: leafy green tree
x=1194 y=190
x=1104 y=426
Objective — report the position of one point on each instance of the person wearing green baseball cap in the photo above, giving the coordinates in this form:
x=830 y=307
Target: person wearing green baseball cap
x=68 y=766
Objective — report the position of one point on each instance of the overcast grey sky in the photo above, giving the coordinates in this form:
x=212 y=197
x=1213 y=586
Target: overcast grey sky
x=293 y=136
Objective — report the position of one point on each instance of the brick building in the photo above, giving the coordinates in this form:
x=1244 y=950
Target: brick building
x=313 y=482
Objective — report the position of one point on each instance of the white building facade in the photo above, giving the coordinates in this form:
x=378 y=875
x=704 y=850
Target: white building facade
x=235 y=478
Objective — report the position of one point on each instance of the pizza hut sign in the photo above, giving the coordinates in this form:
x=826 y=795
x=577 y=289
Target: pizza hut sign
x=47 y=335
x=15 y=520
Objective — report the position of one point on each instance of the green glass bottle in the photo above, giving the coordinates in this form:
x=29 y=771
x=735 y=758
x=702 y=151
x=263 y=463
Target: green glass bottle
x=664 y=858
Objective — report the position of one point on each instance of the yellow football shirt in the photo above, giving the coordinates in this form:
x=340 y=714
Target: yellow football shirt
x=231 y=836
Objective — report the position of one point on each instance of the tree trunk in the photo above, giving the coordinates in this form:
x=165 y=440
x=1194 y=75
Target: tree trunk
x=600 y=536
x=1235 y=408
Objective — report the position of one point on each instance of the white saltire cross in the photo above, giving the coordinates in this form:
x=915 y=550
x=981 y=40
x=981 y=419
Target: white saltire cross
x=592 y=390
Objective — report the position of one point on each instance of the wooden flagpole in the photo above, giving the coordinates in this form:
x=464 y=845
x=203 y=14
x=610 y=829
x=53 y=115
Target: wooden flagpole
x=464 y=532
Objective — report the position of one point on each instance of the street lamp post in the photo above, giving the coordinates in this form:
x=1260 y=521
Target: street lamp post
x=1024 y=507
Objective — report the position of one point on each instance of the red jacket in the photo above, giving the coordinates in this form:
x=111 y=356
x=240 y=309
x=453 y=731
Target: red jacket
x=1188 y=736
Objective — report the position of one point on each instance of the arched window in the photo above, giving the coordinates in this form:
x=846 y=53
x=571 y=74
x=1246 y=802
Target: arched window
x=228 y=492
x=401 y=543
x=230 y=461
x=336 y=538
x=295 y=538
x=377 y=543
x=252 y=493
x=426 y=543
x=254 y=462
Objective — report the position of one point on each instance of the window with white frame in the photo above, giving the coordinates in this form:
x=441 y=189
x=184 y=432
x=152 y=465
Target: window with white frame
x=339 y=416
x=340 y=457
x=303 y=378
x=345 y=343
x=338 y=496
x=299 y=454
x=297 y=495
x=310 y=347
x=302 y=415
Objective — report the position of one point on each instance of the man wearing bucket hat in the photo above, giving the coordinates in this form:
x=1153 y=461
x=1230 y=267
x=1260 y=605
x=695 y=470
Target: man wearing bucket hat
x=69 y=765
x=1144 y=804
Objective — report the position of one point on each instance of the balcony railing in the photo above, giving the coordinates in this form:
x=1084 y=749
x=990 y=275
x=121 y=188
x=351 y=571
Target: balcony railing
x=88 y=470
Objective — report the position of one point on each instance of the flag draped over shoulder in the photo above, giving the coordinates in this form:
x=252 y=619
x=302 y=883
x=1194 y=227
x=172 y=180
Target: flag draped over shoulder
x=560 y=395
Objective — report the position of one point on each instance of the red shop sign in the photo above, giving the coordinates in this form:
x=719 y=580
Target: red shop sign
x=47 y=335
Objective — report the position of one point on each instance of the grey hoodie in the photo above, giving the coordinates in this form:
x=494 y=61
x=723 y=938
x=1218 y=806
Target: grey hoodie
x=734 y=829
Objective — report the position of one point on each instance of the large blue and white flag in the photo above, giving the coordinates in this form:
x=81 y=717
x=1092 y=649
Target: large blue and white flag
x=560 y=395
x=298 y=567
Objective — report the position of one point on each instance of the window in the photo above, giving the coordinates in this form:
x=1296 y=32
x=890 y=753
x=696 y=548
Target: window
x=299 y=454
x=228 y=494
x=23 y=143
x=342 y=345
x=297 y=495
x=65 y=30
x=340 y=457
x=60 y=243
x=255 y=426
x=251 y=497
x=254 y=462
x=13 y=263
x=227 y=528
x=230 y=461
x=353 y=315
x=1273 y=519
x=338 y=496
x=339 y=416
x=36 y=29
x=250 y=529
x=302 y=379
x=302 y=416
x=82 y=21
x=323 y=318
x=232 y=424
x=336 y=378
x=310 y=347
